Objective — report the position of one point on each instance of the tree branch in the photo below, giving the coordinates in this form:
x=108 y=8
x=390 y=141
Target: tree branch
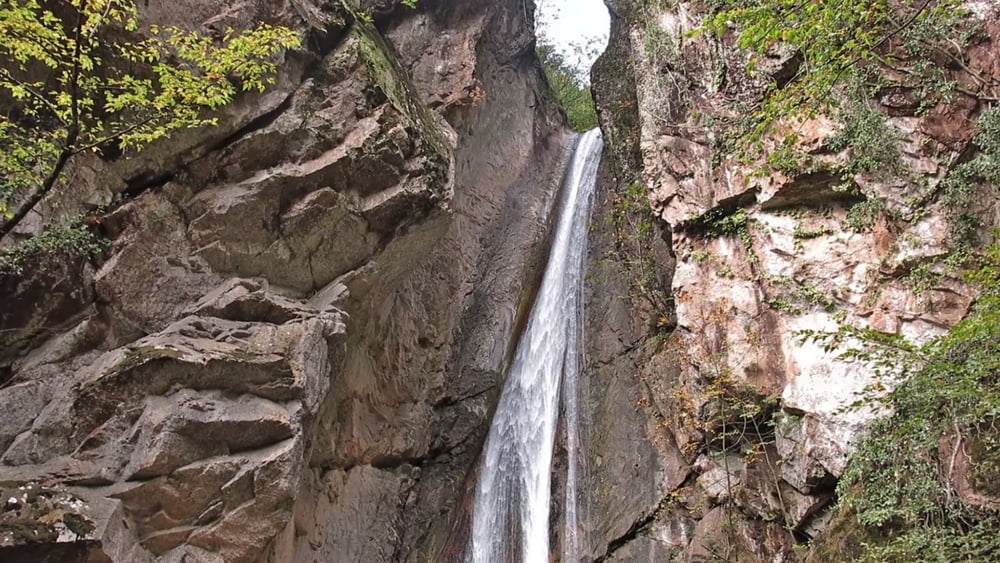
x=6 y=75
x=909 y=21
x=981 y=96
x=115 y=135
x=72 y=135
x=75 y=77
x=37 y=196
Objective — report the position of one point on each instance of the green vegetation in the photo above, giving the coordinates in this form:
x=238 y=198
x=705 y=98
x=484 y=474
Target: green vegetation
x=658 y=44
x=959 y=191
x=732 y=415
x=633 y=227
x=861 y=217
x=843 y=57
x=71 y=236
x=801 y=233
x=78 y=77
x=735 y=423
x=919 y=479
x=566 y=70
x=873 y=146
x=795 y=297
x=730 y=133
x=836 y=42
x=923 y=483
x=723 y=222
x=571 y=91
x=838 y=58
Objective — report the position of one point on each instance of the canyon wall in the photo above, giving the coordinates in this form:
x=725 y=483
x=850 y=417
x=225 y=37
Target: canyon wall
x=291 y=347
x=719 y=430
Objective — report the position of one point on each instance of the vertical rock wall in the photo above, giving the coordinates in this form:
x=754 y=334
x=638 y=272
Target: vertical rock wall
x=291 y=347
x=725 y=435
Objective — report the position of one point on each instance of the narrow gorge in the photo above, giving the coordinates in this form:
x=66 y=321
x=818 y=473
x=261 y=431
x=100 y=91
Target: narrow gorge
x=390 y=308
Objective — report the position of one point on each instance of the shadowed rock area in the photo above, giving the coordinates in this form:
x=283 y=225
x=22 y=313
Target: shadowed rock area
x=291 y=346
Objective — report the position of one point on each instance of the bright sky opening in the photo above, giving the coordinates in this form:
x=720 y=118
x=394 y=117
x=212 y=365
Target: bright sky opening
x=571 y=23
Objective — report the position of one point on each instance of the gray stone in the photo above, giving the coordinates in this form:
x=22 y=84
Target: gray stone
x=360 y=495
x=187 y=426
x=21 y=404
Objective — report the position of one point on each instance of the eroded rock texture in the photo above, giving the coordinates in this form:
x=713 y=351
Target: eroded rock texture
x=290 y=349
x=686 y=462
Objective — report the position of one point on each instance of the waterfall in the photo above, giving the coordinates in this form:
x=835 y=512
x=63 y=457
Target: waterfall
x=512 y=498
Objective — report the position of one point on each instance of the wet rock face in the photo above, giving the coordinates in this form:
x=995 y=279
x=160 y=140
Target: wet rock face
x=754 y=416
x=290 y=348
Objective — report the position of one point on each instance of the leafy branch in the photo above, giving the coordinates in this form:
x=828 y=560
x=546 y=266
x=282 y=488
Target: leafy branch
x=79 y=77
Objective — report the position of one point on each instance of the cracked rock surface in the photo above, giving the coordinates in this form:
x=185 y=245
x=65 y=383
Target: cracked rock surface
x=291 y=346
x=679 y=472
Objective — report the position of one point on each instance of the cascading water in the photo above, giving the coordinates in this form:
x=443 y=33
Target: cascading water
x=511 y=513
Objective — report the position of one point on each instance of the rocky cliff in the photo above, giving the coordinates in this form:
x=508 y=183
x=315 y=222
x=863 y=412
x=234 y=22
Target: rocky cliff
x=292 y=345
x=718 y=431
x=290 y=349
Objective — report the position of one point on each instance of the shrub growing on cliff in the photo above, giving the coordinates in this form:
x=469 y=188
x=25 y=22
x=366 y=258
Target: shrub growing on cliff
x=633 y=230
x=959 y=191
x=834 y=40
x=77 y=77
x=839 y=58
x=923 y=483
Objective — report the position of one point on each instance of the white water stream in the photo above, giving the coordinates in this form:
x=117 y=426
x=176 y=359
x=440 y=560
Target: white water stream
x=510 y=521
